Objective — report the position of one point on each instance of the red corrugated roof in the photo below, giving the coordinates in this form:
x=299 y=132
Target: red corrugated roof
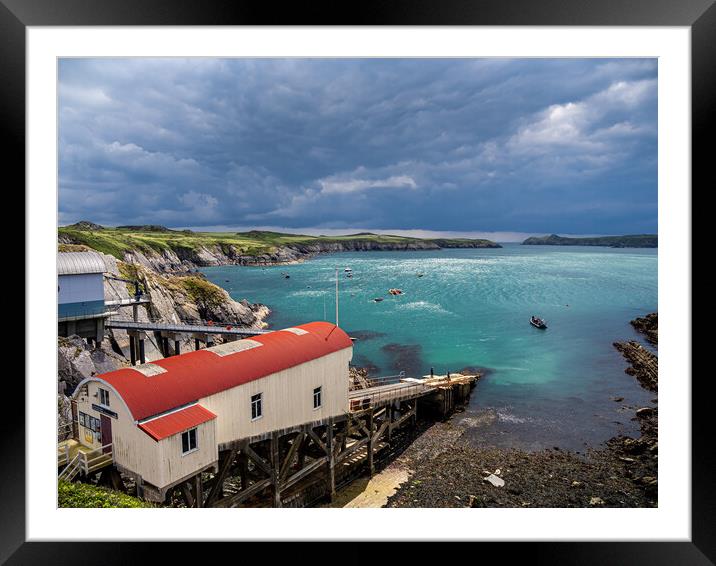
x=177 y=422
x=194 y=375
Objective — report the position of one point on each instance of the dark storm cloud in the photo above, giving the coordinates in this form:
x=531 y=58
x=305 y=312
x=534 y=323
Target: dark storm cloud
x=528 y=145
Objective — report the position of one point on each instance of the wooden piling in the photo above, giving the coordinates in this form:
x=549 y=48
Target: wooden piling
x=331 y=460
x=371 y=464
x=275 y=468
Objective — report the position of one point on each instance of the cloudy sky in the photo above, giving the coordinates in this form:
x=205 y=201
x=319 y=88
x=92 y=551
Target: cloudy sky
x=415 y=145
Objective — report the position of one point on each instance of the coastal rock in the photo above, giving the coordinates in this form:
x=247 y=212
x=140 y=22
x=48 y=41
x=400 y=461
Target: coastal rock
x=596 y=501
x=76 y=361
x=644 y=364
x=649 y=326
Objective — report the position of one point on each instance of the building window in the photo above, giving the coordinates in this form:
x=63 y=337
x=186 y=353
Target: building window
x=82 y=419
x=188 y=441
x=103 y=397
x=316 y=397
x=256 y=408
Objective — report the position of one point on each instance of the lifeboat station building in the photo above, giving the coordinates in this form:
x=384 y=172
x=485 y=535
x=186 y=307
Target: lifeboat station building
x=165 y=422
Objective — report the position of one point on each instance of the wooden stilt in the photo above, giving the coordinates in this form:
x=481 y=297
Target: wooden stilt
x=275 y=465
x=198 y=491
x=188 y=495
x=371 y=465
x=244 y=470
x=331 y=461
x=217 y=488
x=132 y=350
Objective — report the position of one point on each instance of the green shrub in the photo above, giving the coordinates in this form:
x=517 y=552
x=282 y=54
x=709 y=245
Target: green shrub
x=86 y=495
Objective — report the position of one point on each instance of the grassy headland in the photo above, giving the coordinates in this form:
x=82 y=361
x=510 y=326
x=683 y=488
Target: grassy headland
x=240 y=247
x=630 y=241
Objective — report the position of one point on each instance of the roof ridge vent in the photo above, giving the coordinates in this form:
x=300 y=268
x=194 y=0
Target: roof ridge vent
x=228 y=348
x=294 y=330
x=149 y=369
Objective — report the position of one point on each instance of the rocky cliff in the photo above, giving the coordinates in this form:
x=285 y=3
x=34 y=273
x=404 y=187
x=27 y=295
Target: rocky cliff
x=177 y=255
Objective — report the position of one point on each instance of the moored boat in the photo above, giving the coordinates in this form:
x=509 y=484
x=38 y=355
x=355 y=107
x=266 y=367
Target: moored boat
x=538 y=322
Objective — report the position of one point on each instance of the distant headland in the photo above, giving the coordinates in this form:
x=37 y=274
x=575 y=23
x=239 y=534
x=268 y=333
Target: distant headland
x=630 y=241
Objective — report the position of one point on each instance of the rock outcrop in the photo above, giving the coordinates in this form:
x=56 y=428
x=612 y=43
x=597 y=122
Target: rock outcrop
x=76 y=360
x=644 y=365
x=648 y=326
x=178 y=299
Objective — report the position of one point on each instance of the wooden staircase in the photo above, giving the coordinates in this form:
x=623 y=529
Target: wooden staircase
x=77 y=459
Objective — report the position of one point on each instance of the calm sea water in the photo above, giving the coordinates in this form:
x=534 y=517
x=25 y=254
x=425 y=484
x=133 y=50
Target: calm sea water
x=471 y=308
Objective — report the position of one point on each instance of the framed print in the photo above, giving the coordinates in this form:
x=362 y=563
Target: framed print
x=300 y=265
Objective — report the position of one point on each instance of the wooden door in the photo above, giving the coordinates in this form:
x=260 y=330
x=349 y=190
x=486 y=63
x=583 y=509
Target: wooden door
x=106 y=429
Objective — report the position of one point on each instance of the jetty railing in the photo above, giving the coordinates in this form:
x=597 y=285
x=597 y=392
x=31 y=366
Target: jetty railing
x=361 y=399
x=385 y=379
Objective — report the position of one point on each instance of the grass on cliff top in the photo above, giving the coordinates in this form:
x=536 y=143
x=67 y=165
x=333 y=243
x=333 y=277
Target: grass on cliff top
x=116 y=242
x=85 y=495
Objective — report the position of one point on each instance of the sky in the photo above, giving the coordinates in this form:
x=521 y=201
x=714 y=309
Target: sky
x=414 y=146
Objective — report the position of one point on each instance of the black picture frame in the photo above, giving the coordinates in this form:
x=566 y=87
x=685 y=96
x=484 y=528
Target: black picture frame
x=699 y=15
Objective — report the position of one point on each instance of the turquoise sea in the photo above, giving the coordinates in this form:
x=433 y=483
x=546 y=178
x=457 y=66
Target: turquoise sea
x=471 y=307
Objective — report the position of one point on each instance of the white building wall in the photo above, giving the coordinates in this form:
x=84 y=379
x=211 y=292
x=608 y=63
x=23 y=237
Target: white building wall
x=287 y=398
x=158 y=462
x=176 y=466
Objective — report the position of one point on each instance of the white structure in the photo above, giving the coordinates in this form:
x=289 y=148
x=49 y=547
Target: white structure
x=167 y=420
x=80 y=294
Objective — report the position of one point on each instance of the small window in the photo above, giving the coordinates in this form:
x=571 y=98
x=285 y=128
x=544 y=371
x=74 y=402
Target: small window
x=316 y=397
x=103 y=397
x=83 y=419
x=256 y=408
x=188 y=441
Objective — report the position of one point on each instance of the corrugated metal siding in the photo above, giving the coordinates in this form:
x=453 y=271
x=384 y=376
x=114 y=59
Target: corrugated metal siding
x=196 y=375
x=79 y=288
x=177 y=422
x=176 y=466
x=159 y=463
x=287 y=398
x=75 y=263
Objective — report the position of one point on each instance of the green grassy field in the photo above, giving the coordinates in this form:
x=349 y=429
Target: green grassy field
x=117 y=241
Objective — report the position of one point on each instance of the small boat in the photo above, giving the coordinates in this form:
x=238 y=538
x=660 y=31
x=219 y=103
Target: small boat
x=395 y=291
x=421 y=274
x=347 y=270
x=286 y=276
x=378 y=299
x=538 y=322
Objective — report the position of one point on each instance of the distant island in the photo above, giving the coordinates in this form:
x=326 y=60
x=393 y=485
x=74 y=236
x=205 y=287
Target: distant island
x=630 y=241
x=170 y=250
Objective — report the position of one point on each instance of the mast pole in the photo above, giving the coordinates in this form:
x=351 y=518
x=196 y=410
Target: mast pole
x=336 y=296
